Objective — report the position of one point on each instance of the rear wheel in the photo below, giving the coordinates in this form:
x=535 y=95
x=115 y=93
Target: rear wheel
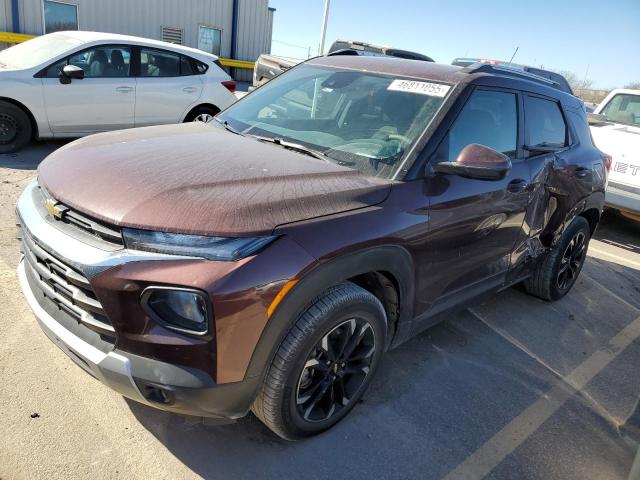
x=15 y=128
x=558 y=272
x=202 y=114
x=325 y=363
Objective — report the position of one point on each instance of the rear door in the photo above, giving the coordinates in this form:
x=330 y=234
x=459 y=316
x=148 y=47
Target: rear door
x=474 y=225
x=166 y=87
x=560 y=175
x=103 y=100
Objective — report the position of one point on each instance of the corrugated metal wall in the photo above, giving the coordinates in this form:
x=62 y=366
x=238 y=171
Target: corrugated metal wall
x=146 y=17
x=254 y=32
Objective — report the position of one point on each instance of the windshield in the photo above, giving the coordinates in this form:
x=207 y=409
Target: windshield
x=623 y=108
x=357 y=119
x=37 y=50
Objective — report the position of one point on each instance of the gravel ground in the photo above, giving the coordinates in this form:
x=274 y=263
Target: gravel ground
x=512 y=388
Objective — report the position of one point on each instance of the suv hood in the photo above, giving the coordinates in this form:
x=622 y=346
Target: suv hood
x=198 y=178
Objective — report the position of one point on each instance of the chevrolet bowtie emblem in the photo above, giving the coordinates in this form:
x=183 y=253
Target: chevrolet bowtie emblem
x=52 y=208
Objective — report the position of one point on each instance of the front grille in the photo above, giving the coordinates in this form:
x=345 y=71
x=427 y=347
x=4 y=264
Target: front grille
x=66 y=287
x=77 y=224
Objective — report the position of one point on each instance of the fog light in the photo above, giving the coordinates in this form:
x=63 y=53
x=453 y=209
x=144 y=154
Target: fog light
x=183 y=310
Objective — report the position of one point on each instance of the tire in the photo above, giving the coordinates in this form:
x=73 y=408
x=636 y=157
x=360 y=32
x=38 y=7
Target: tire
x=300 y=372
x=546 y=282
x=202 y=114
x=15 y=128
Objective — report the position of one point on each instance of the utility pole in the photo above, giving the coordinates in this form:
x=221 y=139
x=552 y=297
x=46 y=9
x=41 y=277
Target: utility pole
x=323 y=32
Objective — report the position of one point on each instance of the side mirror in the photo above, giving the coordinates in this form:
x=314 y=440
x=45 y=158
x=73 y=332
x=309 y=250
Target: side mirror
x=596 y=118
x=69 y=72
x=478 y=162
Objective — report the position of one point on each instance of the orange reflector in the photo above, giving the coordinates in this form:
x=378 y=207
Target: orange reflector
x=281 y=294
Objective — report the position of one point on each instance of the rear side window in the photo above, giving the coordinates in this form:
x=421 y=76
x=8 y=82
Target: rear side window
x=545 y=125
x=489 y=118
x=581 y=126
x=201 y=67
x=159 y=63
x=186 y=66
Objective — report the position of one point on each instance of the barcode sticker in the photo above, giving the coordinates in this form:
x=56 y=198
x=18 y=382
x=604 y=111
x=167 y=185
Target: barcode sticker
x=423 y=88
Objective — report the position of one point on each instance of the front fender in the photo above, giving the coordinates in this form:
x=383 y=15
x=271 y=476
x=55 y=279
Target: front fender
x=392 y=259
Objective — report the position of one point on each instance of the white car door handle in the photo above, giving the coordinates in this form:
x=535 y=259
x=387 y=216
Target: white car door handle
x=189 y=89
x=124 y=89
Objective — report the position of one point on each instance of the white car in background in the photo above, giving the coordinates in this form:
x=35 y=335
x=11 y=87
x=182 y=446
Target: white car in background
x=615 y=127
x=71 y=84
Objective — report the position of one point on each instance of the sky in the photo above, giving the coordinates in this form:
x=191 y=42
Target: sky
x=594 y=38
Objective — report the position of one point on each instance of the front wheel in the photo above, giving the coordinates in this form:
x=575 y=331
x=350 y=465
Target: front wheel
x=557 y=273
x=324 y=364
x=15 y=128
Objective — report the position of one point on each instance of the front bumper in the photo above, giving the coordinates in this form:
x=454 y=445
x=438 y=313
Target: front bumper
x=148 y=364
x=622 y=200
x=158 y=384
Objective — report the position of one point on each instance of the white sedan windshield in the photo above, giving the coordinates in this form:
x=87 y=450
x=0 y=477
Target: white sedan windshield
x=37 y=51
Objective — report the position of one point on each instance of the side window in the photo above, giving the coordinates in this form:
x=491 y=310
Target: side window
x=97 y=62
x=55 y=70
x=488 y=118
x=159 y=63
x=185 y=66
x=545 y=126
x=203 y=67
x=623 y=108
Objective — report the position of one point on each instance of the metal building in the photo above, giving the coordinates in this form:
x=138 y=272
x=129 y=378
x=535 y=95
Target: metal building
x=232 y=29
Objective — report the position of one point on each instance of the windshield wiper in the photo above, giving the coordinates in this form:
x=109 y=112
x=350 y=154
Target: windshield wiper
x=228 y=127
x=292 y=146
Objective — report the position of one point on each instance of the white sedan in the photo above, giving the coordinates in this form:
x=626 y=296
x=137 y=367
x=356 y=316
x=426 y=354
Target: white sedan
x=71 y=84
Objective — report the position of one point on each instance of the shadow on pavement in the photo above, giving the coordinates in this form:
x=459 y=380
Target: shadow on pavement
x=30 y=157
x=619 y=231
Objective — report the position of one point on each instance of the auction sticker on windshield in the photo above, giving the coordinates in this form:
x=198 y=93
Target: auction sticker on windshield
x=423 y=88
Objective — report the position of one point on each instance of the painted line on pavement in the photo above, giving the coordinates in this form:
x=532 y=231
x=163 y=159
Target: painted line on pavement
x=625 y=262
x=511 y=436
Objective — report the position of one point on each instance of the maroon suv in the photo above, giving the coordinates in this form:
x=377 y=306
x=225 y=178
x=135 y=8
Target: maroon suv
x=267 y=260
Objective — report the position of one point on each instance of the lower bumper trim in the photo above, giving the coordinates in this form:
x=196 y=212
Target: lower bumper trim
x=112 y=369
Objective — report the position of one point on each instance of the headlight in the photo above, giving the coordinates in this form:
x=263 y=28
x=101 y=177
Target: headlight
x=211 y=248
x=184 y=310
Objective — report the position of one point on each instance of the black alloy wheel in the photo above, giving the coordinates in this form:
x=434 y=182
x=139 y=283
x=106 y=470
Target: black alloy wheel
x=572 y=260
x=335 y=370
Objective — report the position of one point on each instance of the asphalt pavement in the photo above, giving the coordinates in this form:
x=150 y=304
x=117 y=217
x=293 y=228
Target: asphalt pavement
x=514 y=388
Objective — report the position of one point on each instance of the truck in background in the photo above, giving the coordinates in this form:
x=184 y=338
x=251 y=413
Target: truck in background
x=615 y=128
x=269 y=66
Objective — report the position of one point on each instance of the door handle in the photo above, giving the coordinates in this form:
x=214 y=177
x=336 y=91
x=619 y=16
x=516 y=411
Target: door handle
x=582 y=172
x=518 y=185
x=124 y=89
x=189 y=89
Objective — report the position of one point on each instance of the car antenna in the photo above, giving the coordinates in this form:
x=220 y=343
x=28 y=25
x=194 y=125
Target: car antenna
x=514 y=54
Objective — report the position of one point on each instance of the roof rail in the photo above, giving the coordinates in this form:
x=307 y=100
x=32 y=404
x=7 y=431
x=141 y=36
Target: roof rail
x=513 y=71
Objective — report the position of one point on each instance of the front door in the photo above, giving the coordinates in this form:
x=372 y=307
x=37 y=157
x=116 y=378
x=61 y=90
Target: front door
x=103 y=100
x=474 y=225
